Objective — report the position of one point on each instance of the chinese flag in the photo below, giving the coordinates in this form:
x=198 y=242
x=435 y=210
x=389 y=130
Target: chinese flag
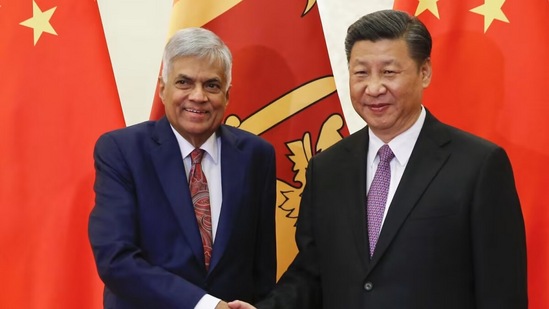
x=282 y=89
x=490 y=73
x=57 y=95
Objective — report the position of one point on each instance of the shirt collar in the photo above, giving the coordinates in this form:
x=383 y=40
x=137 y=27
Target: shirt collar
x=402 y=145
x=209 y=146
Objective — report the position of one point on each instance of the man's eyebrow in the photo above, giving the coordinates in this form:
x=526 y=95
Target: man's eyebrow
x=214 y=79
x=209 y=80
x=183 y=76
x=383 y=62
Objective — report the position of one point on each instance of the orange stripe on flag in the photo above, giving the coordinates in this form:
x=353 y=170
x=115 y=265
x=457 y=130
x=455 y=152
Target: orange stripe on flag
x=192 y=13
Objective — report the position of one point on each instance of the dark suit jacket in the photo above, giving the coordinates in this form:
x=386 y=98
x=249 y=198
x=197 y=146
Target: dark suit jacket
x=453 y=236
x=143 y=229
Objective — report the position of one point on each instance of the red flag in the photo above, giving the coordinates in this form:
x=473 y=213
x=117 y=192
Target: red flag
x=282 y=88
x=490 y=64
x=57 y=96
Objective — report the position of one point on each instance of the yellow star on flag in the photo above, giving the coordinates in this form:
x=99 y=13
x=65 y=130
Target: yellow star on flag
x=430 y=5
x=40 y=21
x=491 y=9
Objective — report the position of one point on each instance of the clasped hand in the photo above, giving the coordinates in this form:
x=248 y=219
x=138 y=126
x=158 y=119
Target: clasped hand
x=237 y=304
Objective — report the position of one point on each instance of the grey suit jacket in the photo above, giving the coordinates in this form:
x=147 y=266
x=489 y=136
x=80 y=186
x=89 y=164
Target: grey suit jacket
x=453 y=236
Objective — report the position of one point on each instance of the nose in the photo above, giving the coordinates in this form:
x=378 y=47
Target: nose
x=375 y=86
x=198 y=94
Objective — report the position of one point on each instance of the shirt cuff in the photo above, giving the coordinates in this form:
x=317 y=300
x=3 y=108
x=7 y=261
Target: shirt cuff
x=207 y=302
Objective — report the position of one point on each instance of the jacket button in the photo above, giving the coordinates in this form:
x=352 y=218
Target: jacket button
x=368 y=286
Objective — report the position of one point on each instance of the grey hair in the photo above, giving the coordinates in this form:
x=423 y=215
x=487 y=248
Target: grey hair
x=197 y=42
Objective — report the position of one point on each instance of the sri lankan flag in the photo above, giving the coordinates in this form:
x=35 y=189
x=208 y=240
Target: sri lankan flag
x=282 y=88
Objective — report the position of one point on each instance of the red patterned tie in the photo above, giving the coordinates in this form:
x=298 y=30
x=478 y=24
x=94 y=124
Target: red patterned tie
x=377 y=195
x=201 y=201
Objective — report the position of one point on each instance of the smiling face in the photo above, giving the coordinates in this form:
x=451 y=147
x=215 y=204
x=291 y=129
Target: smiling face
x=195 y=96
x=386 y=85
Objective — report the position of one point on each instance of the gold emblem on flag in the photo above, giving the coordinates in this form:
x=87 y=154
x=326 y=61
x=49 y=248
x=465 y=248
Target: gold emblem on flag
x=301 y=150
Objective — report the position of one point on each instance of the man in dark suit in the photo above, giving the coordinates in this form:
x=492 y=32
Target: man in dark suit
x=144 y=230
x=452 y=233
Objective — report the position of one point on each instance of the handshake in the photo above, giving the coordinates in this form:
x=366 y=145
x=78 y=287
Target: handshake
x=237 y=304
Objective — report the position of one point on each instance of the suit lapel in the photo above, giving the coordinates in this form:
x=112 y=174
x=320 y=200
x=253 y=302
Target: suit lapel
x=355 y=168
x=232 y=178
x=170 y=169
x=426 y=160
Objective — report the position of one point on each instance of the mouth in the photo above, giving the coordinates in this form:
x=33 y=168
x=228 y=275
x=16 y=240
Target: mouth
x=378 y=107
x=195 y=111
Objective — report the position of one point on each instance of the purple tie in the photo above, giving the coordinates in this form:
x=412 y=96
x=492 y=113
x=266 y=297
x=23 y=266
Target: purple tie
x=377 y=196
x=201 y=201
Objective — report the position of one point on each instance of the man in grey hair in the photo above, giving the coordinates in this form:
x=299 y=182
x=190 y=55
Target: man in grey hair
x=185 y=206
x=408 y=212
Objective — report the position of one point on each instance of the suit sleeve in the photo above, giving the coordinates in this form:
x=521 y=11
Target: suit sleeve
x=113 y=233
x=498 y=237
x=299 y=287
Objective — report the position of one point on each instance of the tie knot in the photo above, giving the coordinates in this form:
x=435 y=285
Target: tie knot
x=385 y=153
x=196 y=155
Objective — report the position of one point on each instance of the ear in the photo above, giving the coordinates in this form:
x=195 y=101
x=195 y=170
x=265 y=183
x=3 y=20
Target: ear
x=426 y=72
x=161 y=88
x=227 y=94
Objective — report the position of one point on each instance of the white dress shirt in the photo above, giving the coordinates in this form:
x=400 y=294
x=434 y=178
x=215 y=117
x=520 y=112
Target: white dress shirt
x=211 y=166
x=402 y=146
